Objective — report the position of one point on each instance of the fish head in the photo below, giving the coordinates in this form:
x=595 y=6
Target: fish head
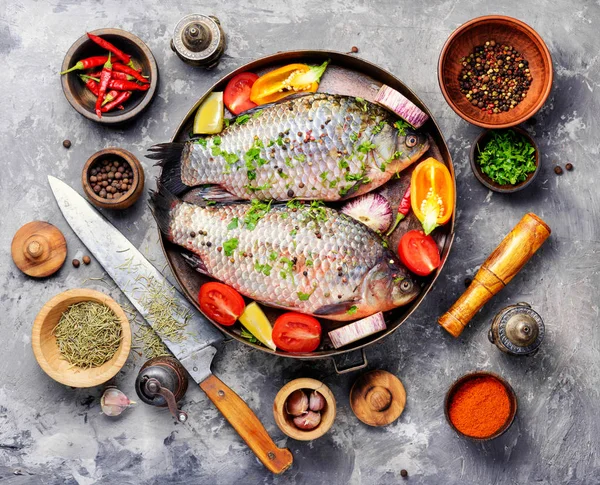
x=410 y=143
x=389 y=285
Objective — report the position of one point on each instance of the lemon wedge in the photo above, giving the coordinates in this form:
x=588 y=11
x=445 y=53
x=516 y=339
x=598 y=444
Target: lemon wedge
x=258 y=324
x=209 y=117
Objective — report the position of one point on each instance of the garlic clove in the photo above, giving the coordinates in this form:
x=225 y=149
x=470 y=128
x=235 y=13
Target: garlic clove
x=307 y=421
x=316 y=401
x=296 y=403
x=113 y=402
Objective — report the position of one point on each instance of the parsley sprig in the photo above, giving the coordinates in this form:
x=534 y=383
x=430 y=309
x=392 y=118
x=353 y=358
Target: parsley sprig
x=507 y=157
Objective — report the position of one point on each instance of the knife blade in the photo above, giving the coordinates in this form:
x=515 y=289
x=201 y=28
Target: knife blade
x=134 y=275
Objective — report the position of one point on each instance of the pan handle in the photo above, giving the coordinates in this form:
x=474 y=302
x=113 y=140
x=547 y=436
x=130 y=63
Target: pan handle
x=248 y=426
x=350 y=361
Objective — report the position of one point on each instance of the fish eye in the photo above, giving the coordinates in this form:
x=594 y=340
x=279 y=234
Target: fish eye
x=406 y=285
x=411 y=141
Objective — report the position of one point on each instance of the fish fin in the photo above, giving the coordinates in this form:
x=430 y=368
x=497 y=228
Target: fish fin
x=335 y=308
x=214 y=193
x=169 y=158
x=195 y=262
x=162 y=202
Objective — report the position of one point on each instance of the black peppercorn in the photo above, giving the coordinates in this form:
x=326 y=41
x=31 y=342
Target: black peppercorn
x=569 y=166
x=76 y=263
x=67 y=143
x=403 y=473
x=192 y=234
x=209 y=244
x=558 y=170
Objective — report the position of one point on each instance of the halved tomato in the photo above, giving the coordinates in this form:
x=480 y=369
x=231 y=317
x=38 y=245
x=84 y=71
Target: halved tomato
x=221 y=303
x=295 y=332
x=237 y=93
x=418 y=252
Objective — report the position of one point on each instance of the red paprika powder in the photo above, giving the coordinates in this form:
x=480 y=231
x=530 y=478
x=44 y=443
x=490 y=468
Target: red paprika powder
x=480 y=407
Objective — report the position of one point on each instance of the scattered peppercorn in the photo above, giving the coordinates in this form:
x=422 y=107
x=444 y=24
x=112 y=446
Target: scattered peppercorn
x=86 y=260
x=558 y=170
x=403 y=473
x=494 y=78
x=353 y=50
x=192 y=234
x=111 y=179
x=569 y=166
x=76 y=263
x=67 y=143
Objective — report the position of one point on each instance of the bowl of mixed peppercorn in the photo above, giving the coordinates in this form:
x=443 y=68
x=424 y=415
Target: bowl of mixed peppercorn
x=495 y=71
x=109 y=76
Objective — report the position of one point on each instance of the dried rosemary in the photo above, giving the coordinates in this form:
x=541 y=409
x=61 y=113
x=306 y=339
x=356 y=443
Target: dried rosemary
x=88 y=334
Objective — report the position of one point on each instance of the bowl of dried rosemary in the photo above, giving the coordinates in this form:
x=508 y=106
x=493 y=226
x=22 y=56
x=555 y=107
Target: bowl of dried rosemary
x=81 y=338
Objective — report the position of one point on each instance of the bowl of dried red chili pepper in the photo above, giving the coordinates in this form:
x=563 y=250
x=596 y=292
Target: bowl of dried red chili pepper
x=480 y=406
x=109 y=76
x=495 y=71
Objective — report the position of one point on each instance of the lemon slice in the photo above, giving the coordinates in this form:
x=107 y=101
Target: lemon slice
x=209 y=117
x=258 y=324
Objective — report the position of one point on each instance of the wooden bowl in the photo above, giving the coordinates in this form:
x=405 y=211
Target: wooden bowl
x=473 y=375
x=285 y=421
x=46 y=351
x=79 y=95
x=480 y=143
x=505 y=30
x=137 y=186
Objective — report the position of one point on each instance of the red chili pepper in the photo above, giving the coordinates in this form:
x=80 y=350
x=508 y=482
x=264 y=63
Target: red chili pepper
x=128 y=70
x=92 y=85
x=115 y=75
x=110 y=97
x=121 y=98
x=121 y=85
x=104 y=80
x=403 y=210
x=118 y=53
x=87 y=63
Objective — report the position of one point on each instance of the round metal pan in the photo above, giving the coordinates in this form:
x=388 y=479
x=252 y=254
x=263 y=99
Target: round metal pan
x=350 y=76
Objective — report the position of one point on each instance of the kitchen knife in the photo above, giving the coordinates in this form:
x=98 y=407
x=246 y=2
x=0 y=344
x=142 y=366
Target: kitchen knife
x=133 y=274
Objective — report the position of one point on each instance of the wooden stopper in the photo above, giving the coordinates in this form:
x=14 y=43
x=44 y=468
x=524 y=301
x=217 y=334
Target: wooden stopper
x=499 y=268
x=378 y=398
x=39 y=249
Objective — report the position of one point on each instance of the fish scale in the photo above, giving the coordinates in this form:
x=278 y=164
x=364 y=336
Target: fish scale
x=346 y=264
x=317 y=151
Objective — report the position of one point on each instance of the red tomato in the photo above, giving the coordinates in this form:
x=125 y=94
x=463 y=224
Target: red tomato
x=419 y=252
x=295 y=332
x=221 y=303
x=237 y=93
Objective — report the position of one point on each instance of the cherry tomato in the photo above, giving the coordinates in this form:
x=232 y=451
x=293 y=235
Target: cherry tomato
x=237 y=92
x=221 y=303
x=295 y=332
x=419 y=253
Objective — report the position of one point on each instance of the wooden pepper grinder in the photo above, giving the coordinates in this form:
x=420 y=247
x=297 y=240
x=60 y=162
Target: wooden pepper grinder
x=498 y=269
x=39 y=249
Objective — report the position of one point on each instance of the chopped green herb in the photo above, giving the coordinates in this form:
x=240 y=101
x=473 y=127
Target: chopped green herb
x=288 y=268
x=247 y=335
x=333 y=183
x=279 y=141
x=398 y=279
x=216 y=140
x=365 y=106
x=317 y=211
x=283 y=175
x=305 y=296
x=257 y=114
x=273 y=256
x=353 y=136
x=251 y=174
x=201 y=141
x=211 y=202
x=507 y=158
x=352 y=310
x=263 y=268
x=257 y=211
x=309 y=262
x=230 y=245
x=216 y=151
x=366 y=146
x=323 y=176
x=380 y=126
x=351 y=177
x=288 y=162
x=264 y=186
x=294 y=204
x=343 y=164
x=226 y=122
x=344 y=190
x=240 y=120
x=401 y=126
x=301 y=158
x=293 y=232
x=233 y=224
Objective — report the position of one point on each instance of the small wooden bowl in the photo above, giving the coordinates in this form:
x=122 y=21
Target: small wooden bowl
x=473 y=375
x=505 y=30
x=46 y=351
x=285 y=421
x=137 y=186
x=480 y=143
x=80 y=97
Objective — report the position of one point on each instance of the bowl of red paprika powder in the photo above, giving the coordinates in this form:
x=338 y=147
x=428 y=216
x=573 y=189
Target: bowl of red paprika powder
x=480 y=406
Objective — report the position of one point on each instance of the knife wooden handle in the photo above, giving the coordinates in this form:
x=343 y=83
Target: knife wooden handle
x=248 y=426
x=499 y=268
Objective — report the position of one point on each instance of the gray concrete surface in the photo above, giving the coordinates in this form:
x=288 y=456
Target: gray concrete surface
x=50 y=434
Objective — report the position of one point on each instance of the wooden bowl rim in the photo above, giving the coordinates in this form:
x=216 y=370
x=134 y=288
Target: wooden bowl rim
x=65 y=377
x=487 y=181
x=130 y=196
x=327 y=418
x=473 y=375
x=128 y=114
x=543 y=97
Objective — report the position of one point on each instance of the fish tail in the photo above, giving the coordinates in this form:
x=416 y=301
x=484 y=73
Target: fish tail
x=169 y=156
x=162 y=202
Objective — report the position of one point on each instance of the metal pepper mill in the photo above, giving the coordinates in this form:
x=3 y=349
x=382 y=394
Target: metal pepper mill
x=199 y=40
x=162 y=382
x=517 y=330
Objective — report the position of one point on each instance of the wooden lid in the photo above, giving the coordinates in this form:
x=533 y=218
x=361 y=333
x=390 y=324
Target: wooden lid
x=378 y=398
x=39 y=249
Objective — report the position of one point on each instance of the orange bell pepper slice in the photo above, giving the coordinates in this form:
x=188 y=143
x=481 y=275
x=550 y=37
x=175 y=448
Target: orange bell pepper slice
x=286 y=80
x=432 y=194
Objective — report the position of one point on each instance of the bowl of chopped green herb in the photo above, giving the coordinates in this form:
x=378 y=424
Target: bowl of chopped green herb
x=505 y=160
